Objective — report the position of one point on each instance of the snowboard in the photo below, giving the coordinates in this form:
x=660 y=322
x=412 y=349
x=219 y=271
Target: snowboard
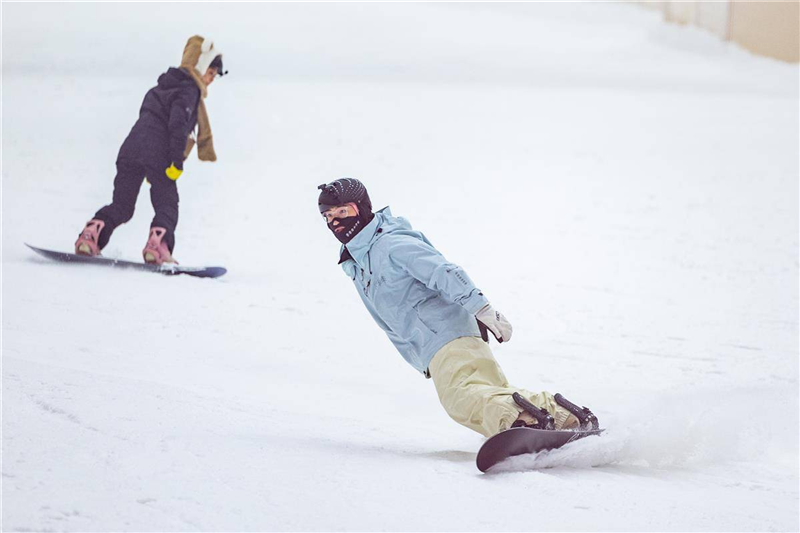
x=518 y=441
x=169 y=270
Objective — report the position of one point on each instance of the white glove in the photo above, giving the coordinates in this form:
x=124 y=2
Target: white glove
x=495 y=322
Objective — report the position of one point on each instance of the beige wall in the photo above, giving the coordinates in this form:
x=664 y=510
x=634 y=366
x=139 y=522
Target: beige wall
x=765 y=27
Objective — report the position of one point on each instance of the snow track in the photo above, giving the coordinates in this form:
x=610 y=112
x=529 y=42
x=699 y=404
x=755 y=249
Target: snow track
x=625 y=192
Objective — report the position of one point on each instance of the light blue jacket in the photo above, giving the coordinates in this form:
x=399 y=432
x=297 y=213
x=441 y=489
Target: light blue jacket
x=416 y=296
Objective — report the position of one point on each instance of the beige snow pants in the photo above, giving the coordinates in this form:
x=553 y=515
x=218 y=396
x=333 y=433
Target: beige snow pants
x=474 y=391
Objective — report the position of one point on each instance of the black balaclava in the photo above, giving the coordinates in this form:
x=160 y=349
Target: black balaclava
x=344 y=191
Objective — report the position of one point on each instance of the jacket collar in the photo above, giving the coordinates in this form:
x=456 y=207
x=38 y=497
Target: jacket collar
x=358 y=248
x=345 y=255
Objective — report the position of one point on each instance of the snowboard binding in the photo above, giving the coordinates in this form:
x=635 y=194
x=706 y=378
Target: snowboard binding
x=544 y=420
x=89 y=237
x=587 y=419
x=157 y=252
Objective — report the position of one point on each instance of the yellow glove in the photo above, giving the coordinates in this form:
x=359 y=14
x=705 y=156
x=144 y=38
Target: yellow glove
x=173 y=173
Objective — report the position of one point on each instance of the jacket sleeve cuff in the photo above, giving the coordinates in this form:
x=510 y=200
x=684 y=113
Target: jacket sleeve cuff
x=474 y=302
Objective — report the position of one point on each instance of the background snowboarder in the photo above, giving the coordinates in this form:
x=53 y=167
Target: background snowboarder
x=435 y=316
x=155 y=148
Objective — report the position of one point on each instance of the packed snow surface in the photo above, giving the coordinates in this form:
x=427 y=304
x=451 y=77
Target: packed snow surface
x=624 y=191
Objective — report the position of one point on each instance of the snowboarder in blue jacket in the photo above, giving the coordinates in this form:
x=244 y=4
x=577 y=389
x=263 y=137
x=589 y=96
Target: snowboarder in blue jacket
x=435 y=316
x=155 y=149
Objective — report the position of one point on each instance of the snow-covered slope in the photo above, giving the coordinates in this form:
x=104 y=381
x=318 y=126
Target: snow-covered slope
x=626 y=192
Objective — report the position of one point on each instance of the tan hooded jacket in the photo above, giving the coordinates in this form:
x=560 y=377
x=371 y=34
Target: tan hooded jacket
x=195 y=47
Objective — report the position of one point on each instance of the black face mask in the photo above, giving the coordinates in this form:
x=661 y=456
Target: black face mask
x=352 y=225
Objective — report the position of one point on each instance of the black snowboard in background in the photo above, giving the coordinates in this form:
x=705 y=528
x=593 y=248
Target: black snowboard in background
x=518 y=441
x=169 y=270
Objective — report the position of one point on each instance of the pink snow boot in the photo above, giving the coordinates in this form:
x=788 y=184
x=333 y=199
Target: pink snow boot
x=156 y=251
x=87 y=240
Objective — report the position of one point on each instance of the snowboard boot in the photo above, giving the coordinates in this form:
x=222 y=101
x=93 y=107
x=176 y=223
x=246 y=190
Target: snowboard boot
x=156 y=252
x=87 y=243
x=532 y=416
x=586 y=419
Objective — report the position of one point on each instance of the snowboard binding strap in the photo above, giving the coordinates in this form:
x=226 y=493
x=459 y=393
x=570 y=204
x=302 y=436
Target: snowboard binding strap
x=543 y=418
x=583 y=414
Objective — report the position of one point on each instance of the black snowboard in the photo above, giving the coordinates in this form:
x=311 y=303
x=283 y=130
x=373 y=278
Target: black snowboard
x=518 y=441
x=169 y=270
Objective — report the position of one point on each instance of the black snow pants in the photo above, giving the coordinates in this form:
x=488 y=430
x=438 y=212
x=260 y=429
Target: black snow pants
x=157 y=140
x=163 y=195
